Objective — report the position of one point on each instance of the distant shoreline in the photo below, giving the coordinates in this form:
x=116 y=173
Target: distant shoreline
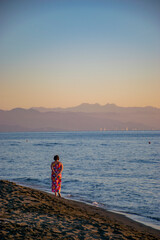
x=80 y=131
x=86 y=117
x=27 y=212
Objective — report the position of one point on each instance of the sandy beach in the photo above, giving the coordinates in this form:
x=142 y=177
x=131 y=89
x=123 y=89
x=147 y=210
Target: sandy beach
x=32 y=214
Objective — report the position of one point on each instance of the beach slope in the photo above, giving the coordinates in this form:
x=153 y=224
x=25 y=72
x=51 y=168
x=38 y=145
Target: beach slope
x=32 y=214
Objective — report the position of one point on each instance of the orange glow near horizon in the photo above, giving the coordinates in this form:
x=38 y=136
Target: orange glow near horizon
x=51 y=58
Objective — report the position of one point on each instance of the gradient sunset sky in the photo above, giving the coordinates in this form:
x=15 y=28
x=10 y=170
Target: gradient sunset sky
x=61 y=53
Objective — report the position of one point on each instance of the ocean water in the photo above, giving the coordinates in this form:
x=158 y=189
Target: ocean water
x=115 y=170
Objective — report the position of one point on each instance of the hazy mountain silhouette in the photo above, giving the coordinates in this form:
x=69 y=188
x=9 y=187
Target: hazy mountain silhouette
x=86 y=107
x=85 y=117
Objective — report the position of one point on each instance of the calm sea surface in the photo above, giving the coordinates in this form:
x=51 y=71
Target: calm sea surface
x=118 y=171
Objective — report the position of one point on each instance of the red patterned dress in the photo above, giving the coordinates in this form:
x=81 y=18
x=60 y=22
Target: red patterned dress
x=56 y=180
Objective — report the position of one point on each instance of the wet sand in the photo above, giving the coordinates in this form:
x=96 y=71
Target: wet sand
x=32 y=214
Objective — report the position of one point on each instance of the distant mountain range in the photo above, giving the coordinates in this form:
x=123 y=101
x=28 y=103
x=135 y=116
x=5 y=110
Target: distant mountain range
x=85 y=117
x=86 y=107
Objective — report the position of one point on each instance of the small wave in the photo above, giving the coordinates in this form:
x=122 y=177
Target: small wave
x=14 y=144
x=72 y=144
x=69 y=195
x=153 y=222
x=43 y=184
x=25 y=179
x=78 y=198
x=95 y=203
x=73 y=181
x=4 y=158
x=154 y=218
x=150 y=161
x=46 y=144
x=54 y=143
x=30 y=181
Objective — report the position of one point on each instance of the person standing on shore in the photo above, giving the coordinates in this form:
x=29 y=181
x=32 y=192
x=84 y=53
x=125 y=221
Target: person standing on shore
x=56 y=176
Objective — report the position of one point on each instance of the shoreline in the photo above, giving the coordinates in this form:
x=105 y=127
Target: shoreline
x=128 y=215
x=28 y=213
x=134 y=217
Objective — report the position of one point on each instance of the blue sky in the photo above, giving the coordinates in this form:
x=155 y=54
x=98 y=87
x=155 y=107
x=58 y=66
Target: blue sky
x=84 y=51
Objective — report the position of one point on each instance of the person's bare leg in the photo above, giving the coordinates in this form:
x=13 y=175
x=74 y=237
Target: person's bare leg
x=59 y=194
x=56 y=194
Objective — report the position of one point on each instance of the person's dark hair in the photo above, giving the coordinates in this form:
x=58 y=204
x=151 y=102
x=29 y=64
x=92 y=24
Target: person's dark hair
x=56 y=157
